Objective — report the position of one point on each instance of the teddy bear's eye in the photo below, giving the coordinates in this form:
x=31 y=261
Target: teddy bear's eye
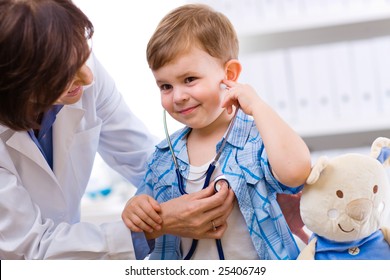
x=375 y=189
x=339 y=194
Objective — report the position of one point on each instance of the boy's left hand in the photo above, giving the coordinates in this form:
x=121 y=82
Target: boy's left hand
x=240 y=95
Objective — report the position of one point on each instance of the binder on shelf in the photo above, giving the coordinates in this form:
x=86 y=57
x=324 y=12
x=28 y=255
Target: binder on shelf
x=316 y=7
x=302 y=89
x=345 y=97
x=364 y=80
x=293 y=8
x=276 y=63
x=321 y=84
x=254 y=74
x=272 y=10
x=267 y=74
x=381 y=56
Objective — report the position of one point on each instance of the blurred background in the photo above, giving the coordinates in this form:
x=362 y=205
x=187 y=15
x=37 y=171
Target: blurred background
x=323 y=65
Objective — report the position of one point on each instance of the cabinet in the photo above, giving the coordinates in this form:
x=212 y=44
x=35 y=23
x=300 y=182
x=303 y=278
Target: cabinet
x=324 y=66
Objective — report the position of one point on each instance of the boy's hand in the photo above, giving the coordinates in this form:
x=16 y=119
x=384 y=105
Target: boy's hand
x=141 y=213
x=240 y=95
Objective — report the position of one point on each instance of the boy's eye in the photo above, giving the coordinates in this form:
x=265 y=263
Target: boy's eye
x=189 y=79
x=165 y=87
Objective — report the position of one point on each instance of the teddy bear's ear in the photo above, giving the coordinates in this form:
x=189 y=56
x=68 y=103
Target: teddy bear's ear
x=316 y=170
x=380 y=149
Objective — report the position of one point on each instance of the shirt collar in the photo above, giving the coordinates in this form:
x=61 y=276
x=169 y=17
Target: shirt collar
x=237 y=137
x=48 y=119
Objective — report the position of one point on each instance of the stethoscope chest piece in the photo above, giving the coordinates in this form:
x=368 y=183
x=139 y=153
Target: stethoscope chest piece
x=220 y=181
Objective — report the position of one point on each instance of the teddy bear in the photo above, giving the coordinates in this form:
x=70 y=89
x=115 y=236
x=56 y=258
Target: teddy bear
x=345 y=203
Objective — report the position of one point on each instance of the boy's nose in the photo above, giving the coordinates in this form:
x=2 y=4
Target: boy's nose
x=180 y=95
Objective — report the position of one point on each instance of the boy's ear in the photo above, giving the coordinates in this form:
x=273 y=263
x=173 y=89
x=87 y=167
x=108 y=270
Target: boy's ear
x=233 y=69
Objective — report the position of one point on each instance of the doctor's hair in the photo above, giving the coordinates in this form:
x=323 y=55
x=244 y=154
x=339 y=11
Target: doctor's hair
x=188 y=26
x=43 y=43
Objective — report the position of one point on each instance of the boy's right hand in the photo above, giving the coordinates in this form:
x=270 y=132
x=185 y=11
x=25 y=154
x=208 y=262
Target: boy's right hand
x=141 y=213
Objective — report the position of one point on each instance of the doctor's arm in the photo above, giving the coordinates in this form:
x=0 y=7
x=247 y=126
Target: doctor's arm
x=27 y=233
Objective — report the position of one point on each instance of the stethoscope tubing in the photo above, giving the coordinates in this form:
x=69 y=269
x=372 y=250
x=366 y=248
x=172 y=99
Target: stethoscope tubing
x=209 y=172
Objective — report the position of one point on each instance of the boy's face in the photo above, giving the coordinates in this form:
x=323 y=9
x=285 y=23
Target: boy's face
x=190 y=88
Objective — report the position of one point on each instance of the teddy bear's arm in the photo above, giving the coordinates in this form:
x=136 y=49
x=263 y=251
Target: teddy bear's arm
x=309 y=251
x=386 y=234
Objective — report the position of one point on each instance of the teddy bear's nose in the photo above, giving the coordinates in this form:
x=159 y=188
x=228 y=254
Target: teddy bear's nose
x=359 y=209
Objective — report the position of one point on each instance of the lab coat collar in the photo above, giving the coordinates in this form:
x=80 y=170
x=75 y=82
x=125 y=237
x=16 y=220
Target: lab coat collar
x=64 y=128
x=21 y=142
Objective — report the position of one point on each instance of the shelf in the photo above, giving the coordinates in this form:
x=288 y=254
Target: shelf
x=344 y=140
x=336 y=127
x=320 y=33
x=316 y=21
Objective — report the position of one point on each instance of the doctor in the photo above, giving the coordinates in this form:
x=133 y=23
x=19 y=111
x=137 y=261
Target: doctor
x=58 y=107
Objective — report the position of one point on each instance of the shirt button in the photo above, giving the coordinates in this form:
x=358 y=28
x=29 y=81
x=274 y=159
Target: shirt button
x=155 y=180
x=183 y=167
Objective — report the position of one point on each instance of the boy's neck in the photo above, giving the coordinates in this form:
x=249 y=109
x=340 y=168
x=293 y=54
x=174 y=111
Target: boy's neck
x=201 y=143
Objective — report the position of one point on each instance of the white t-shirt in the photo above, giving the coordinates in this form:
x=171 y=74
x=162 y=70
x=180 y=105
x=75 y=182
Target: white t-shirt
x=236 y=241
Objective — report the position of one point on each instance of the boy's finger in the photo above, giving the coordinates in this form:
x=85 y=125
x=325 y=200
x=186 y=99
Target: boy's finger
x=145 y=219
x=150 y=214
x=137 y=225
x=156 y=206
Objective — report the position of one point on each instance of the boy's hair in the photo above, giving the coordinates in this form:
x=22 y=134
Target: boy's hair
x=43 y=43
x=192 y=25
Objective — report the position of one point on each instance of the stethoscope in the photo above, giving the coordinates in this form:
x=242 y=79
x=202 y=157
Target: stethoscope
x=217 y=184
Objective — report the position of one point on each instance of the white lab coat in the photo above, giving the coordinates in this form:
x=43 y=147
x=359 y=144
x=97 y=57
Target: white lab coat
x=40 y=208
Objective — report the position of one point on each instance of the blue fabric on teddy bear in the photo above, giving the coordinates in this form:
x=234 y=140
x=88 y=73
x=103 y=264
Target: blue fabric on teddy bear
x=373 y=247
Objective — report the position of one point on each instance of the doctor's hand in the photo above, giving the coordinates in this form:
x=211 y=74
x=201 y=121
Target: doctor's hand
x=141 y=213
x=197 y=215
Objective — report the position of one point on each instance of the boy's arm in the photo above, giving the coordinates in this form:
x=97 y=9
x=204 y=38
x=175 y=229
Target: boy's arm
x=287 y=152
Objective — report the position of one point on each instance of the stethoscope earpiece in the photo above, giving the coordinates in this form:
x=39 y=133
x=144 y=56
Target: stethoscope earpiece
x=222 y=86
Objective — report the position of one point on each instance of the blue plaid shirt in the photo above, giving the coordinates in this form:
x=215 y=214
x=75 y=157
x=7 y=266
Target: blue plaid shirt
x=244 y=163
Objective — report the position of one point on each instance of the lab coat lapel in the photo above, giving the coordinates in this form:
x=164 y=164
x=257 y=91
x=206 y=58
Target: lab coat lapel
x=64 y=128
x=21 y=142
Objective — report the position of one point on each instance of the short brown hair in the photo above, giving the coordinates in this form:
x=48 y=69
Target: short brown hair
x=192 y=25
x=43 y=45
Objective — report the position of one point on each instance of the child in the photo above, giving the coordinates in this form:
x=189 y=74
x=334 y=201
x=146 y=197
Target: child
x=192 y=52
